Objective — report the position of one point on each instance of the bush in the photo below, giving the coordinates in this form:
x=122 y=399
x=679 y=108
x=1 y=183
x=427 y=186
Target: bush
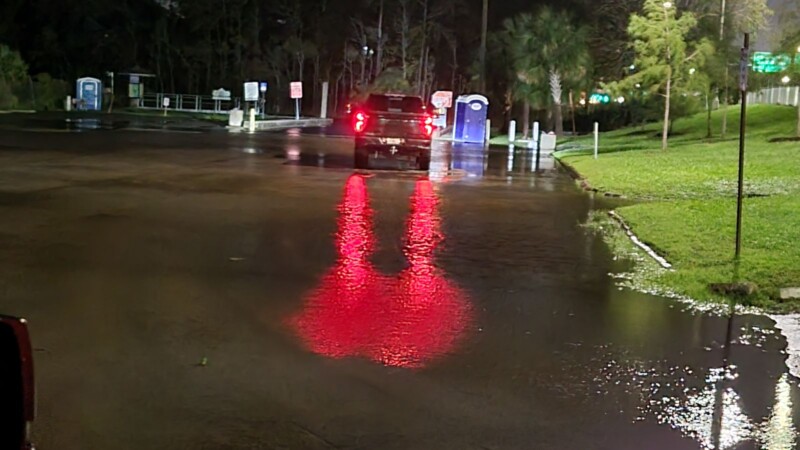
x=49 y=92
x=7 y=98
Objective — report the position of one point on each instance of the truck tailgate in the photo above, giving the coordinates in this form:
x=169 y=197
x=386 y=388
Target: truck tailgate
x=387 y=124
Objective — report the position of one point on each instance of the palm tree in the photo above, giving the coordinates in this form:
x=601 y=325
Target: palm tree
x=548 y=51
x=563 y=54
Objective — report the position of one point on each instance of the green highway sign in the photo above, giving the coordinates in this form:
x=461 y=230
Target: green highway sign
x=768 y=62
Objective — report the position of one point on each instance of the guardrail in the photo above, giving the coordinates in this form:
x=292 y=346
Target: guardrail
x=188 y=103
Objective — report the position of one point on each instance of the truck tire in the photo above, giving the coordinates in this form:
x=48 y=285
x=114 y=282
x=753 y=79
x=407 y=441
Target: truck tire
x=424 y=163
x=361 y=158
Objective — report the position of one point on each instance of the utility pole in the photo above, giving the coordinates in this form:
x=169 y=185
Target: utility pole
x=482 y=55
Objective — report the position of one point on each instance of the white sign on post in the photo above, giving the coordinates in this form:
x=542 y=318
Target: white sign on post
x=220 y=94
x=743 y=63
x=296 y=88
x=442 y=99
x=251 y=91
x=165 y=102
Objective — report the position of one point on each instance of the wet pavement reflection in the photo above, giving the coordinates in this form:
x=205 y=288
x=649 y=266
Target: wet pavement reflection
x=402 y=321
x=462 y=308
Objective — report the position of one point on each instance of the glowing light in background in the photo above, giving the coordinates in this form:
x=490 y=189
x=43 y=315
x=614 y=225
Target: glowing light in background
x=403 y=321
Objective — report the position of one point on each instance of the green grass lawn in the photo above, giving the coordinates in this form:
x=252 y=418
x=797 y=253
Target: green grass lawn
x=688 y=195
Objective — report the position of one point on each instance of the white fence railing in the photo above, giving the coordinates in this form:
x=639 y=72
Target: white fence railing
x=784 y=95
x=188 y=102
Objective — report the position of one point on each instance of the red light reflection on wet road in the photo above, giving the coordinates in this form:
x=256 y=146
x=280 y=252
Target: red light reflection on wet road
x=405 y=320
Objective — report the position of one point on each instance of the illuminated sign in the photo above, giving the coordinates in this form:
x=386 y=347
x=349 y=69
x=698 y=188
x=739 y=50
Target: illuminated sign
x=768 y=62
x=598 y=98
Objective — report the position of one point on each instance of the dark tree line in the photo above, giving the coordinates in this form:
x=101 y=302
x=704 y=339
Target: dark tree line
x=194 y=46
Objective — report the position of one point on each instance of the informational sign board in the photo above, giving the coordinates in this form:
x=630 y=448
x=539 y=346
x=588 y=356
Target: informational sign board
x=135 y=90
x=134 y=79
x=220 y=94
x=251 y=91
x=442 y=99
x=165 y=102
x=743 y=67
x=296 y=88
x=262 y=86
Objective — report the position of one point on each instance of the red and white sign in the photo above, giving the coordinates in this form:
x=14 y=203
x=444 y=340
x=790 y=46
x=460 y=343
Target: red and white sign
x=297 y=89
x=442 y=99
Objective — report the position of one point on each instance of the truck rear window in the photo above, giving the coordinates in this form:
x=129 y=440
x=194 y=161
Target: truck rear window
x=395 y=104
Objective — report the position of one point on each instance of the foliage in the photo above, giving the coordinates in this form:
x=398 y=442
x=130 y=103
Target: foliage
x=548 y=54
x=49 y=92
x=692 y=205
x=17 y=90
x=389 y=81
x=665 y=64
x=608 y=38
x=12 y=68
x=13 y=72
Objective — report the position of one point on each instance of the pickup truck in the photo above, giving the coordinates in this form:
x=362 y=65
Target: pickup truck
x=396 y=128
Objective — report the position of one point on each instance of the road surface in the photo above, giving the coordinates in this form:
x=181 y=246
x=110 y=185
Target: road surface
x=208 y=290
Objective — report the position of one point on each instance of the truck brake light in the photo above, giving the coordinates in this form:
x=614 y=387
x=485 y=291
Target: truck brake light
x=427 y=126
x=359 y=122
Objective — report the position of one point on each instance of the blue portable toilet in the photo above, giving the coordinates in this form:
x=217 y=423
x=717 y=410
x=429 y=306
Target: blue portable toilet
x=89 y=94
x=470 y=121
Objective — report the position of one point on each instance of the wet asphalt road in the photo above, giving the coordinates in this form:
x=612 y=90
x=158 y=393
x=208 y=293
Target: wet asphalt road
x=230 y=291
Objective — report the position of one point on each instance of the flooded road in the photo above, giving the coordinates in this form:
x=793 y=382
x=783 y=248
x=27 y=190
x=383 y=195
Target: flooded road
x=222 y=291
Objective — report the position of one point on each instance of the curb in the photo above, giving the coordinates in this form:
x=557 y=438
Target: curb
x=582 y=181
x=638 y=242
x=616 y=217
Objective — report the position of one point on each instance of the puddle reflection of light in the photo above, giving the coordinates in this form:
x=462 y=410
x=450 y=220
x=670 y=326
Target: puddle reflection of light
x=692 y=413
x=293 y=152
x=403 y=321
x=779 y=433
x=252 y=151
x=293 y=132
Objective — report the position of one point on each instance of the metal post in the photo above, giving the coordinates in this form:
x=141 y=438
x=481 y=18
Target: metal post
x=536 y=136
x=252 y=124
x=596 y=138
x=297 y=109
x=512 y=131
x=538 y=147
x=742 y=125
x=111 y=101
x=324 y=107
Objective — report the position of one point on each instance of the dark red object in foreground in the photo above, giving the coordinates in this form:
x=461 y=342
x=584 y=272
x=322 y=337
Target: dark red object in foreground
x=405 y=320
x=17 y=397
